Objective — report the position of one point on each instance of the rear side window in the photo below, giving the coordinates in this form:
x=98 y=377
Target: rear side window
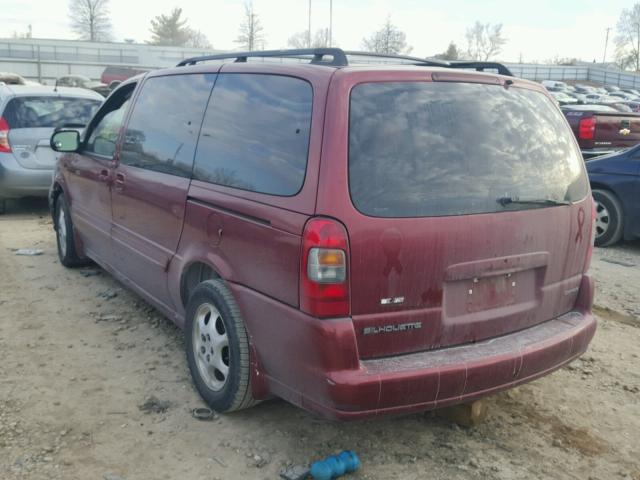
x=433 y=149
x=255 y=134
x=163 y=128
x=49 y=112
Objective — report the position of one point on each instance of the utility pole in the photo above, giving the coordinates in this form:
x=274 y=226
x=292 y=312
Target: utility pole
x=606 y=43
x=330 y=22
x=309 y=31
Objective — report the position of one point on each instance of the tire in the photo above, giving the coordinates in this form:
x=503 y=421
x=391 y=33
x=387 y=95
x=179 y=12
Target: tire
x=65 y=237
x=217 y=348
x=609 y=218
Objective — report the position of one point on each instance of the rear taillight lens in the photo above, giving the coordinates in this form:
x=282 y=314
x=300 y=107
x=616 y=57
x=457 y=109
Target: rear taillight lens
x=587 y=128
x=4 y=136
x=324 y=282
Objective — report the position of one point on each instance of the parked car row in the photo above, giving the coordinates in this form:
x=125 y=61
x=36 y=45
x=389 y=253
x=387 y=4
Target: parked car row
x=620 y=99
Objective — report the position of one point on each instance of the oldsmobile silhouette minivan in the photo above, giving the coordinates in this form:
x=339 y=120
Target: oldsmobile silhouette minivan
x=358 y=239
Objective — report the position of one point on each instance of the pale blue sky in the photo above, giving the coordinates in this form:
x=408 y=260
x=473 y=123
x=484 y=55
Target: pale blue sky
x=538 y=30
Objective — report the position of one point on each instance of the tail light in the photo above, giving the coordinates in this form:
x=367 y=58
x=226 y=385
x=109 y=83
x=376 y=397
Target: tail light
x=324 y=282
x=587 y=128
x=4 y=136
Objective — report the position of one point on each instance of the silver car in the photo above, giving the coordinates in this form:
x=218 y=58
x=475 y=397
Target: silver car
x=28 y=117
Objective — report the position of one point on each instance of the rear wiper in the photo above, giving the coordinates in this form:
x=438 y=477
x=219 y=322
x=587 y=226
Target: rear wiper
x=504 y=201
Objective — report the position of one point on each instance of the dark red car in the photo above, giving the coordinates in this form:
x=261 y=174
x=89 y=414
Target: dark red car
x=119 y=74
x=358 y=240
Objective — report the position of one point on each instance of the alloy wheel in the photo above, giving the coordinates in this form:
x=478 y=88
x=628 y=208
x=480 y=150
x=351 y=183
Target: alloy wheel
x=211 y=346
x=62 y=232
x=602 y=219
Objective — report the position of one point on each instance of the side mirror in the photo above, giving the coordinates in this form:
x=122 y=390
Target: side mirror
x=65 y=141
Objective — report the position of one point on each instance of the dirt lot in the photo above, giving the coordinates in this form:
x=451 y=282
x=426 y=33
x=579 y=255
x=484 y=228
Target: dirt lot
x=79 y=356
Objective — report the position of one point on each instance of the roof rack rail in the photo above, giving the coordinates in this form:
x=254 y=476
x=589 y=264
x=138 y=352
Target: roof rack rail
x=482 y=66
x=410 y=60
x=339 y=59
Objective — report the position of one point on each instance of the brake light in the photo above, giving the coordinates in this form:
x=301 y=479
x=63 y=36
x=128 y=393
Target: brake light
x=324 y=283
x=587 y=128
x=4 y=136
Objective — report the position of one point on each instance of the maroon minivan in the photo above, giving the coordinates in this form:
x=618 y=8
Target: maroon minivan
x=359 y=239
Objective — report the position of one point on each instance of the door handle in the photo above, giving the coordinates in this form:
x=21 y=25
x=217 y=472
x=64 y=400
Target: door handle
x=103 y=176
x=119 y=182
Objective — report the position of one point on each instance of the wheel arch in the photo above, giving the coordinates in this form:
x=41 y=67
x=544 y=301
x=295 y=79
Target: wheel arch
x=200 y=263
x=194 y=273
x=56 y=191
x=596 y=185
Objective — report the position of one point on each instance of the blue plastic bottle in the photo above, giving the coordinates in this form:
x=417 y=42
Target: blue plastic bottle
x=335 y=466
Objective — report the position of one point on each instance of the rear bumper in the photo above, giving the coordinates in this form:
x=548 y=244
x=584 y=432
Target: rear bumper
x=434 y=379
x=315 y=364
x=17 y=181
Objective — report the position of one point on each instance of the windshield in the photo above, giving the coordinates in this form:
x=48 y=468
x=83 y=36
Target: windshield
x=434 y=149
x=49 y=112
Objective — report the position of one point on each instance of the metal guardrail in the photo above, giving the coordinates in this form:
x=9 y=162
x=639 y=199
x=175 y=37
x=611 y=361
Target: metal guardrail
x=44 y=60
x=40 y=68
x=66 y=54
x=576 y=73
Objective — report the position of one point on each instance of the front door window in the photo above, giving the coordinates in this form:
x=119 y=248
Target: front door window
x=103 y=136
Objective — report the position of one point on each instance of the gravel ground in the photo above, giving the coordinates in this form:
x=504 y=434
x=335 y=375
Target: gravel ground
x=94 y=385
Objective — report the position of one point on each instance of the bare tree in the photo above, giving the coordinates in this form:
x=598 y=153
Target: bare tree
x=90 y=19
x=251 y=36
x=389 y=40
x=628 y=38
x=321 y=39
x=301 y=39
x=484 y=41
x=197 y=39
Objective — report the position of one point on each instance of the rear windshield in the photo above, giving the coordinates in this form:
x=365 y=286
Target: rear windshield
x=433 y=149
x=49 y=112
